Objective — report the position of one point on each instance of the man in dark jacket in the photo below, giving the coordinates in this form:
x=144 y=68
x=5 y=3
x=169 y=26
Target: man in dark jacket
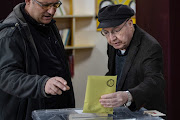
x=136 y=58
x=34 y=72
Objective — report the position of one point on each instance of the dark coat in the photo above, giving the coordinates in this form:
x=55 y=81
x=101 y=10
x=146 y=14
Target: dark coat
x=21 y=86
x=142 y=74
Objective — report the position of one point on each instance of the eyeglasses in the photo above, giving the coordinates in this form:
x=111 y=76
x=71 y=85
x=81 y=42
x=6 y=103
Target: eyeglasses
x=114 y=31
x=49 y=5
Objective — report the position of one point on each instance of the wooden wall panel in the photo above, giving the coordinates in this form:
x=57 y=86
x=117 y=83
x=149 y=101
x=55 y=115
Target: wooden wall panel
x=174 y=79
x=161 y=19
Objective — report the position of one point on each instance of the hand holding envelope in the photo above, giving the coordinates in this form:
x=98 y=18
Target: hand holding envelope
x=96 y=87
x=114 y=99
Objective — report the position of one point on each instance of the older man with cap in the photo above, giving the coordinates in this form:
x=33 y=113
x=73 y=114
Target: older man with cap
x=135 y=57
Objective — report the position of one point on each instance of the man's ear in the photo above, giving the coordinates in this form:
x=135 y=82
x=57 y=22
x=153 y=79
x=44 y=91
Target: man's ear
x=27 y=6
x=27 y=2
x=130 y=22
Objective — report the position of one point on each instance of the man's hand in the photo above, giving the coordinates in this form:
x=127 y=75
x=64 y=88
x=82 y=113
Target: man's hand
x=114 y=99
x=55 y=85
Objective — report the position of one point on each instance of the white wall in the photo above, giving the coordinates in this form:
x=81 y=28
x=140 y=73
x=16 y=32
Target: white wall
x=89 y=62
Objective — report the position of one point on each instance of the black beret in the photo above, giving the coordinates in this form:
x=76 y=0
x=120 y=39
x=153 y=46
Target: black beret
x=114 y=15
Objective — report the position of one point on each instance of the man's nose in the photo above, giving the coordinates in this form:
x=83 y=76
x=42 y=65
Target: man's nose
x=52 y=10
x=112 y=36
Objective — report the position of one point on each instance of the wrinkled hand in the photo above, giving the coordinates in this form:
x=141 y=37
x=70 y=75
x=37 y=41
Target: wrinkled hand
x=114 y=99
x=55 y=85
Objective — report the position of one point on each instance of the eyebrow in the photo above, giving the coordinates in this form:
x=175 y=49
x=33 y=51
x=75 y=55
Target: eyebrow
x=47 y=2
x=113 y=28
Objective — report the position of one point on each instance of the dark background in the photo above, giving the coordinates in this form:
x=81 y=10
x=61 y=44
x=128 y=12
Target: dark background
x=160 y=18
x=7 y=6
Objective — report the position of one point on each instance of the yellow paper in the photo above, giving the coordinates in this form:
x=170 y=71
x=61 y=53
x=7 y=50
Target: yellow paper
x=96 y=87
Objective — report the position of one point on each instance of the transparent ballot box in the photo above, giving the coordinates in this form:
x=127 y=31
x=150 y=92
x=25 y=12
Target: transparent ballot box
x=120 y=113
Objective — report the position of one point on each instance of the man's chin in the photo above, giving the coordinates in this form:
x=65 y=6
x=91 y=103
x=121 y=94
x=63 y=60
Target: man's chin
x=117 y=47
x=46 y=21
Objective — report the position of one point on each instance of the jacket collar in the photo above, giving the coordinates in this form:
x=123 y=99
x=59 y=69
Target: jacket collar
x=133 y=49
x=17 y=17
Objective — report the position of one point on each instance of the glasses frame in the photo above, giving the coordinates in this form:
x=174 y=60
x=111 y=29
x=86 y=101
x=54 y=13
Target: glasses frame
x=113 y=32
x=49 y=5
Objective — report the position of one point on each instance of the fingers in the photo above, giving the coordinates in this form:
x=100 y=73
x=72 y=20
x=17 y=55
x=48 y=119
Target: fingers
x=60 y=79
x=108 y=96
x=113 y=100
x=109 y=104
x=55 y=91
x=62 y=84
x=55 y=85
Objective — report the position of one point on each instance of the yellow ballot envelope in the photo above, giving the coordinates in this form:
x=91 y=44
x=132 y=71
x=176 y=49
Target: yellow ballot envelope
x=96 y=87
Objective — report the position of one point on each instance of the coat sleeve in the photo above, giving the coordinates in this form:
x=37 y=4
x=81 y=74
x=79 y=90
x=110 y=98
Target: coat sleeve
x=13 y=77
x=150 y=91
